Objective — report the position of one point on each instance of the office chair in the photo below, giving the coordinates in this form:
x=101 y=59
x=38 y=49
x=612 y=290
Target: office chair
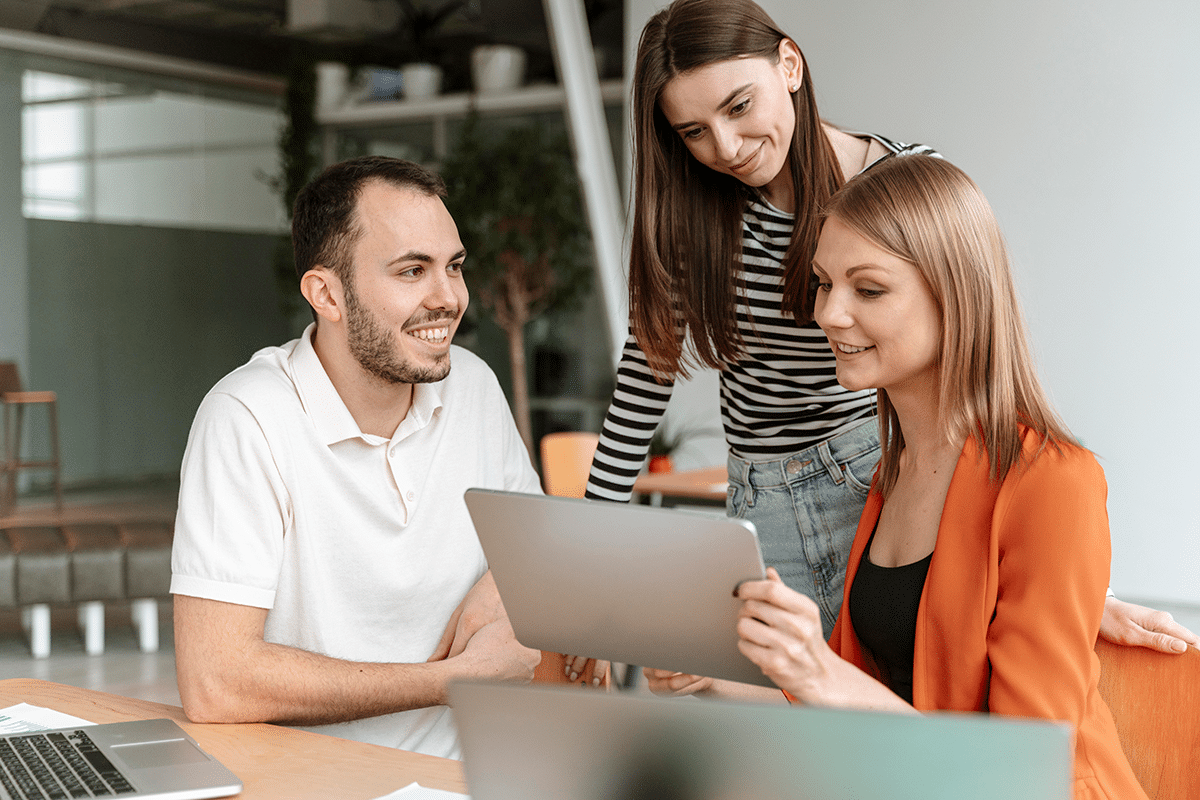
x=566 y=462
x=15 y=400
x=1155 y=700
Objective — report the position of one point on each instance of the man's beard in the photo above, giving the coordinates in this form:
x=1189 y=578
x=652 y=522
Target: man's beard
x=375 y=347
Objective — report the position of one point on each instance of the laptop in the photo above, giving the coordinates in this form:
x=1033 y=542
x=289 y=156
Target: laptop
x=631 y=584
x=146 y=759
x=560 y=743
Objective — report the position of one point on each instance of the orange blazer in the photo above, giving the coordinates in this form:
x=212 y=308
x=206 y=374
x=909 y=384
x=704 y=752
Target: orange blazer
x=1011 y=607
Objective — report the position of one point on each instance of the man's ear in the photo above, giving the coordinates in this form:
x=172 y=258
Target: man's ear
x=322 y=289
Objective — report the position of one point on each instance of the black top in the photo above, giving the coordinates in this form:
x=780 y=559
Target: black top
x=883 y=611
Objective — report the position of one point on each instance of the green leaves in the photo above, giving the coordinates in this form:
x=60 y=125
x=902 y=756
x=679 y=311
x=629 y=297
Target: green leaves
x=515 y=198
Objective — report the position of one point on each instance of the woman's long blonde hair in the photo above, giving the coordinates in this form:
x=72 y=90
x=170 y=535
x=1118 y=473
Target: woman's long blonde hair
x=927 y=211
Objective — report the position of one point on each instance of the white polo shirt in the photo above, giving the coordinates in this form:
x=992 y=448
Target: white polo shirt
x=360 y=546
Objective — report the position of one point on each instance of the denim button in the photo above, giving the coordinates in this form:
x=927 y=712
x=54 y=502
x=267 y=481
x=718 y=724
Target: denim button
x=793 y=467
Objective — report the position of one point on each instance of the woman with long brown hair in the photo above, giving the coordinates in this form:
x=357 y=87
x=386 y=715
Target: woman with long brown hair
x=732 y=163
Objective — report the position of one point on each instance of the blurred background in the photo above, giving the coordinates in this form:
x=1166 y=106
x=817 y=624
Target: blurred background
x=149 y=150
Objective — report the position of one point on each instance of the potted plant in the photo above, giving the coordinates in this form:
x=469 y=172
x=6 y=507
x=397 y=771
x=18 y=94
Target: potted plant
x=515 y=197
x=420 y=23
x=667 y=441
x=497 y=67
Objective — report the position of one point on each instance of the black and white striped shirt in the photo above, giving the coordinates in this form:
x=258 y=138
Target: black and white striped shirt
x=780 y=397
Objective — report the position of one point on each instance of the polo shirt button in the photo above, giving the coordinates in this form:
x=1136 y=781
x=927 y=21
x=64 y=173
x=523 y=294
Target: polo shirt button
x=411 y=496
x=793 y=467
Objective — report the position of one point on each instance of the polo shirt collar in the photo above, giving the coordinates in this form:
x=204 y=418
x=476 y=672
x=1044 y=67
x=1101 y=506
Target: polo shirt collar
x=426 y=400
x=324 y=406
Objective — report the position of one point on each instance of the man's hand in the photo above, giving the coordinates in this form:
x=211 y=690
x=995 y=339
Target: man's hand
x=1134 y=625
x=494 y=653
x=480 y=607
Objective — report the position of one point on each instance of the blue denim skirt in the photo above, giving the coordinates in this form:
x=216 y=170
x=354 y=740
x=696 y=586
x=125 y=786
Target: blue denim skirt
x=806 y=508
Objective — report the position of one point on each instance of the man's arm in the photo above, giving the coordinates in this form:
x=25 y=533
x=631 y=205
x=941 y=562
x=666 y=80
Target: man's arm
x=481 y=606
x=227 y=673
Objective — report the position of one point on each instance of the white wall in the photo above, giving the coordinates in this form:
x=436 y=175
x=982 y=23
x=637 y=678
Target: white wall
x=1077 y=120
x=132 y=323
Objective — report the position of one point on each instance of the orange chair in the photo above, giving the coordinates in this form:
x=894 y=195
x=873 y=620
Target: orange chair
x=550 y=670
x=566 y=462
x=1155 y=700
x=14 y=401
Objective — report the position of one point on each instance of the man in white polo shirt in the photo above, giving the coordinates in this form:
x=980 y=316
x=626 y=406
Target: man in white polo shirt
x=325 y=570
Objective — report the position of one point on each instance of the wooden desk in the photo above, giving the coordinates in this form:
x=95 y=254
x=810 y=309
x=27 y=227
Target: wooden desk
x=709 y=484
x=272 y=761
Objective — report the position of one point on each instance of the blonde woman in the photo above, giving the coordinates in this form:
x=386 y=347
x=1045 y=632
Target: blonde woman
x=977 y=577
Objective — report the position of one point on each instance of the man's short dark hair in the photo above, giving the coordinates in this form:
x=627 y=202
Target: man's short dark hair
x=323 y=225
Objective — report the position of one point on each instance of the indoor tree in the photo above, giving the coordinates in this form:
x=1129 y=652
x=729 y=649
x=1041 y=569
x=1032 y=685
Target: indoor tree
x=515 y=197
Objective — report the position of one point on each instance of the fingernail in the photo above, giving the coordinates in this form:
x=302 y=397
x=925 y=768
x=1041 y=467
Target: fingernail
x=566 y=670
x=574 y=675
x=1179 y=645
x=595 y=681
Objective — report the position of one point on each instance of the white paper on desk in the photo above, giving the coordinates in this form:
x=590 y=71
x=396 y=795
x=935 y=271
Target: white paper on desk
x=415 y=791
x=23 y=717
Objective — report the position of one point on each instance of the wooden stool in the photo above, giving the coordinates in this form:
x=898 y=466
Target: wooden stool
x=15 y=401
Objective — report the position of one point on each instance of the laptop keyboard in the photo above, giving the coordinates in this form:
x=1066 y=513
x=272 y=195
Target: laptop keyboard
x=58 y=766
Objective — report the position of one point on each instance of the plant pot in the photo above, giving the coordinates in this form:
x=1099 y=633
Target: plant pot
x=497 y=68
x=333 y=85
x=420 y=80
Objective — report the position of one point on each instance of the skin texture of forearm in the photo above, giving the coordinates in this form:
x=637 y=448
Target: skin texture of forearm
x=679 y=684
x=840 y=684
x=731 y=690
x=282 y=684
x=226 y=673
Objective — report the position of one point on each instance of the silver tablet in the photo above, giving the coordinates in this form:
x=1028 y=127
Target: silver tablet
x=637 y=585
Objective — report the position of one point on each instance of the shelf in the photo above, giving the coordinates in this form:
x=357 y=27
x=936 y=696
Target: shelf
x=520 y=101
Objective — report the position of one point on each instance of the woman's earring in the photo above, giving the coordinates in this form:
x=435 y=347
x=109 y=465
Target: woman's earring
x=793 y=88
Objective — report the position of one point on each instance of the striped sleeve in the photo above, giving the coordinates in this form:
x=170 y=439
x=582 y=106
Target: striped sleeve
x=633 y=415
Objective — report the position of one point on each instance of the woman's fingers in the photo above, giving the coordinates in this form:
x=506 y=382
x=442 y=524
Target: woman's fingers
x=778 y=630
x=677 y=684
x=774 y=592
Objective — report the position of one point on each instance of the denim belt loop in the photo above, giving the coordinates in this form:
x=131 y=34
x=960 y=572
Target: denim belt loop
x=747 y=471
x=831 y=466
